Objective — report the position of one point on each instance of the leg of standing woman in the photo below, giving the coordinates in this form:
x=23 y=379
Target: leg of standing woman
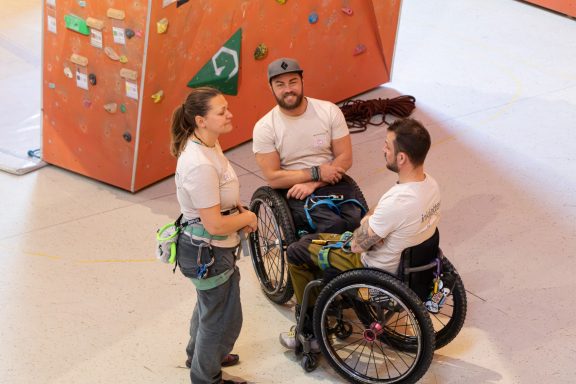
x=193 y=334
x=220 y=321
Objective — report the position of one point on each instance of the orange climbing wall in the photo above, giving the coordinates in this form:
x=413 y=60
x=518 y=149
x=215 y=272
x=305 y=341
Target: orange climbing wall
x=130 y=148
x=567 y=7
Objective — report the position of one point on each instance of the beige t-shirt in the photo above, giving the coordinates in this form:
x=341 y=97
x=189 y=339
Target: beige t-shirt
x=303 y=141
x=405 y=216
x=204 y=178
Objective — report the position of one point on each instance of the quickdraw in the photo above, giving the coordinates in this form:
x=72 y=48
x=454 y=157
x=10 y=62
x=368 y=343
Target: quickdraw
x=314 y=201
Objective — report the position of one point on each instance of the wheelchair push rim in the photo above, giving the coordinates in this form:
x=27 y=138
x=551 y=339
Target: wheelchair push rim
x=268 y=249
x=387 y=335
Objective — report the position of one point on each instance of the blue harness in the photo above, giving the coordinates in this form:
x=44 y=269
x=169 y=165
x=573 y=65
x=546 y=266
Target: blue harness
x=331 y=201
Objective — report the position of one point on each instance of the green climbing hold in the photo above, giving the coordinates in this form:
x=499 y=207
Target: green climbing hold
x=122 y=108
x=76 y=24
x=222 y=71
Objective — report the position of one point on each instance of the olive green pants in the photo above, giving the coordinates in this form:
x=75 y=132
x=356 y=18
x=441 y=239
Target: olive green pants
x=303 y=263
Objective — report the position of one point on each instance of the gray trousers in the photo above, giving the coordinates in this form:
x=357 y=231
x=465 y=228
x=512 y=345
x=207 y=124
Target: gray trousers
x=215 y=325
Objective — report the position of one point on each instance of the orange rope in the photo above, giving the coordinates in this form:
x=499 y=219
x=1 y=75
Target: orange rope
x=360 y=113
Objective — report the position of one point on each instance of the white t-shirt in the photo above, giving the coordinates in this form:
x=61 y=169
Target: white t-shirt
x=302 y=141
x=405 y=216
x=204 y=178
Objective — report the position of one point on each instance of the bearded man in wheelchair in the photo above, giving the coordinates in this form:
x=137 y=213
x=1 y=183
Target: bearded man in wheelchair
x=405 y=216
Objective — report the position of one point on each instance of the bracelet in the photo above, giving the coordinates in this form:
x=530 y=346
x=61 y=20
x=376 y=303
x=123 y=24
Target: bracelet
x=315 y=172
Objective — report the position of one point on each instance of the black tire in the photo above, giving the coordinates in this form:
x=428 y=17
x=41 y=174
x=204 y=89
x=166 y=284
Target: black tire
x=389 y=300
x=269 y=242
x=309 y=362
x=449 y=321
x=357 y=191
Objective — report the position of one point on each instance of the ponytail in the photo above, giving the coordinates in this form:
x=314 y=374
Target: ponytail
x=180 y=132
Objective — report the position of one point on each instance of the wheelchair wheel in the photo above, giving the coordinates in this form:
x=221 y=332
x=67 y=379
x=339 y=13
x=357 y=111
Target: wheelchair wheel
x=357 y=191
x=269 y=242
x=383 y=313
x=449 y=321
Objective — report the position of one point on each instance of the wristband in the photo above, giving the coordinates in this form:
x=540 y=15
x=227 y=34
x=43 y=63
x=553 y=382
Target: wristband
x=315 y=172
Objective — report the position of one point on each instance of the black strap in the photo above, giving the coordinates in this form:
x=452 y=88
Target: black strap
x=178 y=224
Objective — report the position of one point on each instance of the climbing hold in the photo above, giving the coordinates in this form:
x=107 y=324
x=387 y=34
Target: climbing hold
x=261 y=51
x=79 y=60
x=122 y=108
x=139 y=33
x=359 y=49
x=92 y=78
x=313 y=18
x=87 y=103
x=348 y=11
x=158 y=96
x=68 y=72
x=123 y=59
x=127 y=136
x=129 y=33
x=115 y=14
x=81 y=3
x=111 y=54
x=77 y=24
x=162 y=25
x=95 y=23
x=128 y=74
x=51 y=85
x=282 y=2
x=111 y=107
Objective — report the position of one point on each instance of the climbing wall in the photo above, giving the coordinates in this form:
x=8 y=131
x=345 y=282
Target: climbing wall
x=114 y=71
x=567 y=7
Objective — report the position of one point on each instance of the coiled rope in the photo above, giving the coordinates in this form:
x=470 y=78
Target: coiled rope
x=360 y=113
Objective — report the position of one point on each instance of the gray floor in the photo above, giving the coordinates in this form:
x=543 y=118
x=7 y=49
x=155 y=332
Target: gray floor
x=84 y=301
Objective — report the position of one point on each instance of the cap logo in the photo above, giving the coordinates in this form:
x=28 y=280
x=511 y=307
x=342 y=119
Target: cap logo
x=284 y=65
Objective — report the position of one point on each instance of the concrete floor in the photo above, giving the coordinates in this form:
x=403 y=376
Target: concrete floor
x=84 y=301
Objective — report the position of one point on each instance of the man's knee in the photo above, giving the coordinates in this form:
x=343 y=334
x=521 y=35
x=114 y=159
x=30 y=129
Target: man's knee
x=297 y=253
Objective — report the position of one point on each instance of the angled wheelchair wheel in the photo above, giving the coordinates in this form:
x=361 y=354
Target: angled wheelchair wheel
x=373 y=329
x=357 y=191
x=449 y=320
x=269 y=242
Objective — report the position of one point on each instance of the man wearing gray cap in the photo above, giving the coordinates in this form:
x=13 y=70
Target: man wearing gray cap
x=303 y=147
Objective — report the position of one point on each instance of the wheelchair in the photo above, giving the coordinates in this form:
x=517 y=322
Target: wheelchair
x=268 y=244
x=373 y=327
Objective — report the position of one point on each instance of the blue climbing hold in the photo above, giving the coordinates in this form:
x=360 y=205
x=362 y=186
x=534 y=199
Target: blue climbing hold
x=313 y=18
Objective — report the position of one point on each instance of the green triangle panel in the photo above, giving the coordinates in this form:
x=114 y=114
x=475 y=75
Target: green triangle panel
x=223 y=68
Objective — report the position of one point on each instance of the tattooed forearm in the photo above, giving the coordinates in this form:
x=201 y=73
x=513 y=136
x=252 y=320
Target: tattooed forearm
x=364 y=238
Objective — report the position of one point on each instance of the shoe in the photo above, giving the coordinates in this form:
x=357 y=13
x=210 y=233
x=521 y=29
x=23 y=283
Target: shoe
x=229 y=360
x=232 y=382
x=288 y=341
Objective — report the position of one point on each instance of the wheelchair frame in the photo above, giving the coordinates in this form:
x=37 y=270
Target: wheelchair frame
x=407 y=332
x=276 y=230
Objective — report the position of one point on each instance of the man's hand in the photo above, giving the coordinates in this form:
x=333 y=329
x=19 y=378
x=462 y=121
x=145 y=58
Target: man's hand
x=301 y=191
x=331 y=174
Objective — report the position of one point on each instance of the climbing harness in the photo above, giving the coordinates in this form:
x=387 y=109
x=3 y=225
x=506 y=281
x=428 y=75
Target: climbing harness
x=334 y=202
x=328 y=245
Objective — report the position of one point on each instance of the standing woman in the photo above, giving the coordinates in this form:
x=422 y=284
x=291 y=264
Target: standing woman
x=209 y=197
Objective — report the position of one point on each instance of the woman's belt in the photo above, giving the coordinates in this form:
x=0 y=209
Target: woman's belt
x=195 y=228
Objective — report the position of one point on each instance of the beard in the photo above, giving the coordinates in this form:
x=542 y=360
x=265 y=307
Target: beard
x=287 y=106
x=392 y=166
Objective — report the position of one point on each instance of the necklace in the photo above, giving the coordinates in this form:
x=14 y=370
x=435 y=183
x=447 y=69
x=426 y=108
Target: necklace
x=202 y=141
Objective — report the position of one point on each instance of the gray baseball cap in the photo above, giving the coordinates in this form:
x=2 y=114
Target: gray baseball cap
x=282 y=66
